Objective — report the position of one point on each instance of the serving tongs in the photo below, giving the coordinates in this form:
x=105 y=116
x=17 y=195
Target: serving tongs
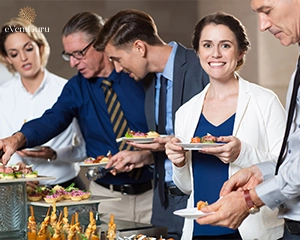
x=93 y=174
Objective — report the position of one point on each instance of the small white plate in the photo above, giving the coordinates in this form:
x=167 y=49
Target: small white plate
x=34 y=149
x=198 y=146
x=193 y=213
x=83 y=164
x=138 y=140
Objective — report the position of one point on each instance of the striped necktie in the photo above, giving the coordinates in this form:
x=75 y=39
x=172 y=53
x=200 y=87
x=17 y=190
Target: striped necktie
x=290 y=117
x=116 y=114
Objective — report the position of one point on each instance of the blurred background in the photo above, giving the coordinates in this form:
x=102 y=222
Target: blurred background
x=268 y=62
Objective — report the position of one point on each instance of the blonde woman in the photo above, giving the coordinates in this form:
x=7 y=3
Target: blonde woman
x=24 y=51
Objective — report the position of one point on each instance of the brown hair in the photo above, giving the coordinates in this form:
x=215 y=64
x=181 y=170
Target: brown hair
x=221 y=18
x=125 y=27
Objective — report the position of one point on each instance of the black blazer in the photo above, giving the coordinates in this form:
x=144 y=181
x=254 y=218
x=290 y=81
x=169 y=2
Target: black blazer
x=189 y=79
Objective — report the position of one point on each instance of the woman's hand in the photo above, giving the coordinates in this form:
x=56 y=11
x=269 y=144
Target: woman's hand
x=44 y=152
x=227 y=153
x=175 y=153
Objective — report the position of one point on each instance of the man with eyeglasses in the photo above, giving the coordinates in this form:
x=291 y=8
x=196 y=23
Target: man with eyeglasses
x=83 y=98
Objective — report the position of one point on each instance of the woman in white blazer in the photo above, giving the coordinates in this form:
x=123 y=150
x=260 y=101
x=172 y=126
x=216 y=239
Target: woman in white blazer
x=256 y=129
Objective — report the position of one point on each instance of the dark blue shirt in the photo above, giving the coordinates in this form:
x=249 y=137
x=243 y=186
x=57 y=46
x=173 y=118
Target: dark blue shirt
x=210 y=173
x=84 y=99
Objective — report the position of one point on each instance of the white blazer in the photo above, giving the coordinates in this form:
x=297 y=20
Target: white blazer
x=259 y=124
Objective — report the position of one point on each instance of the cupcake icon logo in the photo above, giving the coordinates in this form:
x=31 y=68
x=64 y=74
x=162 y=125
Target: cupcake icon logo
x=27 y=13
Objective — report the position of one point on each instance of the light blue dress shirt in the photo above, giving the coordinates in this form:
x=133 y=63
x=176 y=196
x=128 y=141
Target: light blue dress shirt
x=283 y=190
x=167 y=73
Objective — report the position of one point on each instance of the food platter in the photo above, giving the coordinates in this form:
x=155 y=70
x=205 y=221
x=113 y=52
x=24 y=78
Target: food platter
x=27 y=179
x=198 y=146
x=192 y=213
x=93 y=199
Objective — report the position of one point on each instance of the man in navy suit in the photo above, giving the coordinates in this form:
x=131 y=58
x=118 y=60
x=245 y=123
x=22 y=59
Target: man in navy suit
x=131 y=41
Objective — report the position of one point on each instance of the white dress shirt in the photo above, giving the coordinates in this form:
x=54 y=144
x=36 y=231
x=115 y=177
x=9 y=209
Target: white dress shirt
x=17 y=106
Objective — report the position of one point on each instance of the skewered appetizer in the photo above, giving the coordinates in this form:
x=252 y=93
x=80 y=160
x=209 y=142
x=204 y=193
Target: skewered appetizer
x=31 y=225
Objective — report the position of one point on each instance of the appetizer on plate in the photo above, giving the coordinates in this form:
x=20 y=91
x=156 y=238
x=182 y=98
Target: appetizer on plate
x=99 y=159
x=133 y=134
x=201 y=204
x=19 y=170
x=205 y=139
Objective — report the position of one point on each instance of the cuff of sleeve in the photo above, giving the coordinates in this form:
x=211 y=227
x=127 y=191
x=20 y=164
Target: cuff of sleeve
x=241 y=157
x=28 y=135
x=270 y=194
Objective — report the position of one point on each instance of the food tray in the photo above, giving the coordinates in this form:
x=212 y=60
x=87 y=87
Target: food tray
x=26 y=179
x=91 y=200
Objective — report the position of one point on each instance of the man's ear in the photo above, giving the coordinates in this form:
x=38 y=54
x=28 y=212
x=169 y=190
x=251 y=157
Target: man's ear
x=140 y=47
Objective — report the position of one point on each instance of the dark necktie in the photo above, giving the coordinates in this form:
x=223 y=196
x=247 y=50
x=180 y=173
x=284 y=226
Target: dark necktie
x=115 y=113
x=290 y=117
x=161 y=128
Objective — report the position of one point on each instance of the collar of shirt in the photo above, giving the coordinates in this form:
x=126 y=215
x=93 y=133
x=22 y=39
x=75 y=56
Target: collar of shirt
x=169 y=68
x=113 y=77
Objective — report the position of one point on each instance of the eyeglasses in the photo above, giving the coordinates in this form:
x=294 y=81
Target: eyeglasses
x=77 y=54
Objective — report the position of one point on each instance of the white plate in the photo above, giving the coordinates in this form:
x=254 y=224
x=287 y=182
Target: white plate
x=34 y=149
x=138 y=140
x=193 y=213
x=198 y=146
x=83 y=164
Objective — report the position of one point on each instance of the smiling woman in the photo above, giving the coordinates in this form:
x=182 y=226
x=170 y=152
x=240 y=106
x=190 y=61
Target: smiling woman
x=24 y=51
x=225 y=108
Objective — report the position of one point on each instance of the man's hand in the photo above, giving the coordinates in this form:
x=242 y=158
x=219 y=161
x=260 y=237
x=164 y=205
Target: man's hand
x=44 y=152
x=157 y=145
x=10 y=145
x=245 y=178
x=229 y=211
x=125 y=161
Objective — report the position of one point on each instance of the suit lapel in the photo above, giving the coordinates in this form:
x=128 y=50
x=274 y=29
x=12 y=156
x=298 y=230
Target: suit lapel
x=178 y=79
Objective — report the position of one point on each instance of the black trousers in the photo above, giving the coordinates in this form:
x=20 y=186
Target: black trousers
x=163 y=216
x=235 y=236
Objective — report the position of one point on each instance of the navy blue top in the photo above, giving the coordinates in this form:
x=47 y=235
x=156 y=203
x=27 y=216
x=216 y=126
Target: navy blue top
x=210 y=173
x=84 y=99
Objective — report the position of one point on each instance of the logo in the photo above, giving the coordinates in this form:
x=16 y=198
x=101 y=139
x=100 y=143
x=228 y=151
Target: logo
x=27 y=13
